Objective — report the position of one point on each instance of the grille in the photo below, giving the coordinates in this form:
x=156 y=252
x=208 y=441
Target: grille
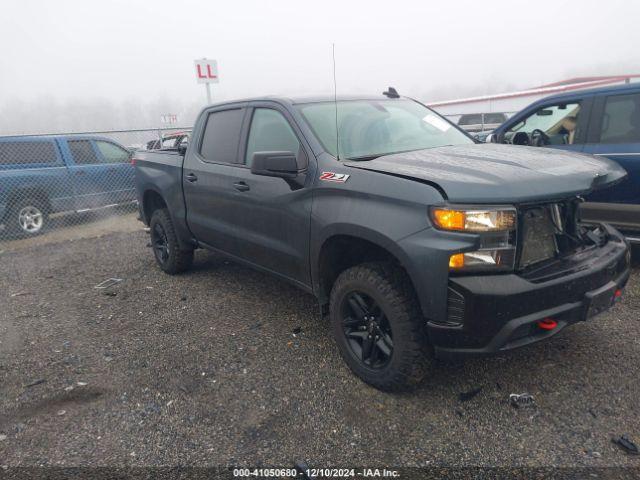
x=538 y=236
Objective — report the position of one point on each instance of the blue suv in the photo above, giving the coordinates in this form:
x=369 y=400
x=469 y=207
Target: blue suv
x=41 y=175
x=603 y=121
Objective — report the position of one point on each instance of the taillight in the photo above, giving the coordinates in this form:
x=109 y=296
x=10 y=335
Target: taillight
x=133 y=160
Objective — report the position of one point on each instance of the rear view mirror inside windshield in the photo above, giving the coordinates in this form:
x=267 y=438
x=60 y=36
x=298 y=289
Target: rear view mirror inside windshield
x=544 y=113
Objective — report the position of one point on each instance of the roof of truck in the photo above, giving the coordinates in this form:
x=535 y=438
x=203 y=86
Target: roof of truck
x=302 y=99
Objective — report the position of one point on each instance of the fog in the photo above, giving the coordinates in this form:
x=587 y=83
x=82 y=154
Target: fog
x=83 y=65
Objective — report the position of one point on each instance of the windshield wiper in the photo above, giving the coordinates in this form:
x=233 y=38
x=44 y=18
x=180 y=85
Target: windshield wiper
x=364 y=158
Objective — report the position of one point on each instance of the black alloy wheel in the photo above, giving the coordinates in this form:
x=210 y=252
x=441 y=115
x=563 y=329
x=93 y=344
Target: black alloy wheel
x=367 y=330
x=160 y=243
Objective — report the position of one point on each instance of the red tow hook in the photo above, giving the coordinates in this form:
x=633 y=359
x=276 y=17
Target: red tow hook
x=617 y=294
x=547 y=324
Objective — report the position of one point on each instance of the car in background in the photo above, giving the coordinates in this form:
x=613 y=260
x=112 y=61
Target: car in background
x=481 y=122
x=170 y=140
x=42 y=175
x=603 y=122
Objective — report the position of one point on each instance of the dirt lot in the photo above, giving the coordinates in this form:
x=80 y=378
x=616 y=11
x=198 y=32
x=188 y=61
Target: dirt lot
x=204 y=369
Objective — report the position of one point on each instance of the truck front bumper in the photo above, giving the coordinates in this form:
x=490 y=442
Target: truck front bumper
x=494 y=313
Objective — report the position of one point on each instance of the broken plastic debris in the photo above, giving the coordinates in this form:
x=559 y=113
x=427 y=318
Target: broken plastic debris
x=61 y=412
x=109 y=282
x=626 y=444
x=3 y=438
x=35 y=382
x=82 y=384
x=521 y=400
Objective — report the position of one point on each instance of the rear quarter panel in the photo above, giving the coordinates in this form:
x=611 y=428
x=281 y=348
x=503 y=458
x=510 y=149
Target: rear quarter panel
x=161 y=172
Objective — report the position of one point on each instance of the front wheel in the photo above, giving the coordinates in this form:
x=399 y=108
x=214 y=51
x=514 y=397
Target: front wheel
x=378 y=327
x=27 y=218
x=170 y=257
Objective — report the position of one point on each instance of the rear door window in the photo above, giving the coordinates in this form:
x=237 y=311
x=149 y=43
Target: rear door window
x=17 y=153
x=221 y=136
x=621 y=119
x=112 y=153
x=83 y=152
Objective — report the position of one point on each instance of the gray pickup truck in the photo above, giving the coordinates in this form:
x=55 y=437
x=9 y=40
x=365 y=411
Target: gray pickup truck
x=416 y=240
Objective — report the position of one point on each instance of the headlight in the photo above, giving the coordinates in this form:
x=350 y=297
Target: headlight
x=474 y=220
x=496 y=227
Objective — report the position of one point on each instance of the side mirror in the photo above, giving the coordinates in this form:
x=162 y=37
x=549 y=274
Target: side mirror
x=182 y=148
x=276 y=164
x=490 y=138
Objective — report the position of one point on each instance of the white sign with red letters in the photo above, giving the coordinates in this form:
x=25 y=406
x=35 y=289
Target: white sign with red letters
x=207 y=71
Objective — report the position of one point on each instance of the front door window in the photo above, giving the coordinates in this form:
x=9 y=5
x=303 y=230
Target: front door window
x=549 y=125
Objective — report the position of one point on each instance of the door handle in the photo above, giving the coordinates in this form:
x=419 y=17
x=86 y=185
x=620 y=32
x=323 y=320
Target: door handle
x=191 y=177
x=243 y=187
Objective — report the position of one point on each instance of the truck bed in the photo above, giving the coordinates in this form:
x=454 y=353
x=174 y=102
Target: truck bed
x=161 y=171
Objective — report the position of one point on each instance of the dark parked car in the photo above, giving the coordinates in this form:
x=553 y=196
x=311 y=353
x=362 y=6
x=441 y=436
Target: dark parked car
x=415 y=239
x=44 y=175
x=170 y=140
x=604 y=122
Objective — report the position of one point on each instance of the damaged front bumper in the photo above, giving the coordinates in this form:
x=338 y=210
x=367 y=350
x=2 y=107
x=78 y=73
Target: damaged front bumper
x=494 y=313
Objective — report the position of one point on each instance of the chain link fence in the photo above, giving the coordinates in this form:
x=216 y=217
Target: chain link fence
x=52 y=182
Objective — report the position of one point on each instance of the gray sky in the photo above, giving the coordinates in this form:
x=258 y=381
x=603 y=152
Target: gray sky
x=142 y=51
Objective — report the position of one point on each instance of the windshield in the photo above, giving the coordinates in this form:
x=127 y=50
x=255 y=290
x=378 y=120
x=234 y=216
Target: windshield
x=371 y=128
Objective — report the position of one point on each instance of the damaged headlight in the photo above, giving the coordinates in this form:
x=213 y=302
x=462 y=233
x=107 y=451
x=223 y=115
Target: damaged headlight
x=496 y=227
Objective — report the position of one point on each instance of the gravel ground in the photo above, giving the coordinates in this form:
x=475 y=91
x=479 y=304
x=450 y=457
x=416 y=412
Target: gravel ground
x=204 y=369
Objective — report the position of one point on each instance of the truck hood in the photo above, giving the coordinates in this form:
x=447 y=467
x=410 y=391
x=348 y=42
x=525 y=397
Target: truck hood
x=490 y=173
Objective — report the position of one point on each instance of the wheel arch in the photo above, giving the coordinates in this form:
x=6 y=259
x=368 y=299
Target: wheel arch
x=35 y=192
x=152 y=200
x=343 y=248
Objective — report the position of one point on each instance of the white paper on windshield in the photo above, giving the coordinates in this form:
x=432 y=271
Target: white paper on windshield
x=437 y=122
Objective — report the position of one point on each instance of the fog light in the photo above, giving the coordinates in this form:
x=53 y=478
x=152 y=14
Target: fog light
x=456 y=260
x=493 y=259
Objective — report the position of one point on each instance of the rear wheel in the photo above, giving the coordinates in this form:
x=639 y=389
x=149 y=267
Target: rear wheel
x=378 y=327
x=28 y=217
x=169 y=255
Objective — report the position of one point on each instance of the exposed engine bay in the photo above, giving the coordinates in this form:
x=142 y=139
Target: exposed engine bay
x=554 y=230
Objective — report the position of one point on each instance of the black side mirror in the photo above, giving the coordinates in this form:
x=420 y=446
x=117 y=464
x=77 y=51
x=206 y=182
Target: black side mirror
x=182 y=148
x=276 y=164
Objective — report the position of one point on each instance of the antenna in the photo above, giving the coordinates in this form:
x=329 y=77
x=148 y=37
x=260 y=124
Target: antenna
x=335 y=100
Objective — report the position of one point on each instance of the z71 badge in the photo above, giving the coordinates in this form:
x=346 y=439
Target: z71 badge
x=334 y=177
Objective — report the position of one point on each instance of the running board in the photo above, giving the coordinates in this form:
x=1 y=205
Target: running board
x=83 y=210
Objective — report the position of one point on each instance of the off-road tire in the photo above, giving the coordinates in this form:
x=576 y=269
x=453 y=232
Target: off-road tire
x=390 y=287
x=177 y=259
